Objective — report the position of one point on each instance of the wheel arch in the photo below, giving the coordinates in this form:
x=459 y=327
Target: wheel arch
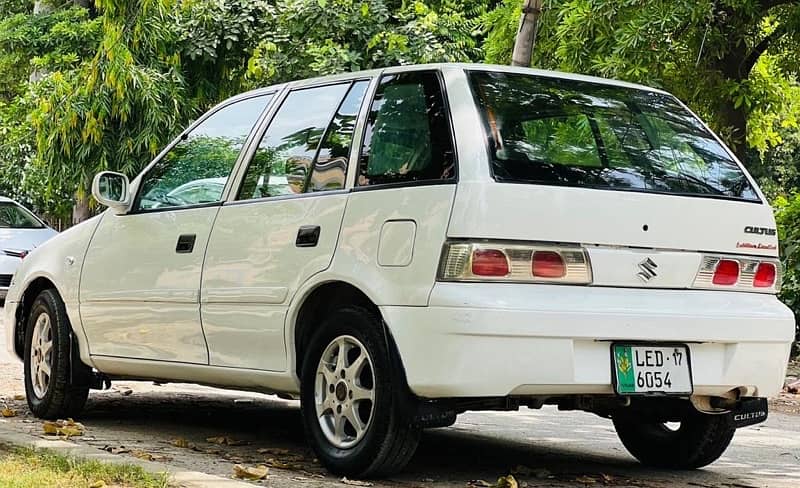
x=320 y=299
x=32 y=290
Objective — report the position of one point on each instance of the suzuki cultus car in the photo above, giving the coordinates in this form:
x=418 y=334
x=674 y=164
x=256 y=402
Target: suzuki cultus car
x=396 y=247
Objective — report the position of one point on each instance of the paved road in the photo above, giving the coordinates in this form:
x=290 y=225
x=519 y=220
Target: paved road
x=546 y=447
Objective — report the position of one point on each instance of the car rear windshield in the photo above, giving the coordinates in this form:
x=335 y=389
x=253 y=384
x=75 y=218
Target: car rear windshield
x=12 y=216
x=574 y=133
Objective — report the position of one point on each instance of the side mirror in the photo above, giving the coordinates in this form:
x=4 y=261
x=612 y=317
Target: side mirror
x=112 y=190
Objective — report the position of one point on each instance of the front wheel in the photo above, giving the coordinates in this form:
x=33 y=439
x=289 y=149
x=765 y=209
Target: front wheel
x=48 y=361
x=350 y=398
x=698 y=440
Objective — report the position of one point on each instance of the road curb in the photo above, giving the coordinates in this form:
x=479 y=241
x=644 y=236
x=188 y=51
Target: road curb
x=177 y=476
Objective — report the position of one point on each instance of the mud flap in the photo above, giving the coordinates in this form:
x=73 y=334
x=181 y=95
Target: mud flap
x=750 y=411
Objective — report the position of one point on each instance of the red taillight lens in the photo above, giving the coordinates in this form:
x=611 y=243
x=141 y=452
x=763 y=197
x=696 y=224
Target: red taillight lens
x=727 y=272
x=515 y=262
x=548 y=264
x=489 y=262
x=765 y=275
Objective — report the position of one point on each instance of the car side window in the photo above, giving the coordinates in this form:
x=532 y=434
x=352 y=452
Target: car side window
x=330 y=167
x=307 y=144
x=195 y=171
x=408 y=136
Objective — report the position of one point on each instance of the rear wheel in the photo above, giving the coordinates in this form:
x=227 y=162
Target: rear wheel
x=698 y=440
x=47 y=361
x=350 y=398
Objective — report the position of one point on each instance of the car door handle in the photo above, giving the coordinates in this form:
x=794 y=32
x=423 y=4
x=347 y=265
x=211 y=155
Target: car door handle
x=307 y=236
x=185 y=244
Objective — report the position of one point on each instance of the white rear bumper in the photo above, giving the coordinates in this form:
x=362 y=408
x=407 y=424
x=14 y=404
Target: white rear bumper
x=478 y=340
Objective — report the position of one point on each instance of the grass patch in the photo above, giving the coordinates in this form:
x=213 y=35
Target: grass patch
x=26 y=468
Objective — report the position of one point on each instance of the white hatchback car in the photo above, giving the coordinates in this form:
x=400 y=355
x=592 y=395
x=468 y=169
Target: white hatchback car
x=395 y=247
x=20 y=232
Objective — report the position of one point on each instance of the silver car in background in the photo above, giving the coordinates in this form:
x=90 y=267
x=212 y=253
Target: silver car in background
x=20 y=232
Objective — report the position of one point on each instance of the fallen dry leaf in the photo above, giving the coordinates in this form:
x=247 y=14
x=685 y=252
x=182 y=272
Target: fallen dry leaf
x=355 y=482
x=8 y=413
x=506 y=482
x=98 y=484
x=250 y=472
x=182 y=443
x=477 y=484
x=67 y=428
x=149 y=456
x=277 y=463
x=19 y=397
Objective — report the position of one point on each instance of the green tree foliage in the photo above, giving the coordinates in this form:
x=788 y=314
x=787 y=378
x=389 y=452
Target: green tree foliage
x=788 y=217
x=116 y=81
x=319 y=37
x=730 y=60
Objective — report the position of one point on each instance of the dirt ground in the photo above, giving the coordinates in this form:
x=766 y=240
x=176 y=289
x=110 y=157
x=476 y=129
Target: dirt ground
x=184 y=425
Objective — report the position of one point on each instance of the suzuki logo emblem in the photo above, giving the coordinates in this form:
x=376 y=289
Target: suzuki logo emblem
x=648 y=270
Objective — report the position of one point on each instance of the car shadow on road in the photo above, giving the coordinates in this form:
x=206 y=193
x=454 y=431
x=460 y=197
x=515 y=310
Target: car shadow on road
x=447 y=456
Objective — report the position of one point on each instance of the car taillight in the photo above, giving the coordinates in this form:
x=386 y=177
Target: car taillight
x=765 y=275
x=739 y=274
x=727 y=272
x=548 y=264
x=515 y=262
x=489 y=262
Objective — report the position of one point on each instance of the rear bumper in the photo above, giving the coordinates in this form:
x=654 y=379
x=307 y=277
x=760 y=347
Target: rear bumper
x=478 y=340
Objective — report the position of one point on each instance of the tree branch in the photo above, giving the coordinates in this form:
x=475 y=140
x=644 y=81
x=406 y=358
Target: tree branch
x=750 y=60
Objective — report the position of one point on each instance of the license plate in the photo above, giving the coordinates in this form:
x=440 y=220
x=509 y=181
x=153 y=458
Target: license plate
x=646 y=369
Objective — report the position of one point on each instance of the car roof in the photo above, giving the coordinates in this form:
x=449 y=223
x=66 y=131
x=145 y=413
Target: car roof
x=443 y=66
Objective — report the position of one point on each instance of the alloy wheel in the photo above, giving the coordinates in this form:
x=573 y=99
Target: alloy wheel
x=41 y=355
x=344 y=391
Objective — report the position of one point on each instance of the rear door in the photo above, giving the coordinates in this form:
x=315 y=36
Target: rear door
x=396 y=219
x=282 y=227
x=140 y=283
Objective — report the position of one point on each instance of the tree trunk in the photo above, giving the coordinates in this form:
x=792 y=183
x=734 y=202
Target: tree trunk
x=42 y=7
x=526 y=35
x=80 y=211
x=733 y=120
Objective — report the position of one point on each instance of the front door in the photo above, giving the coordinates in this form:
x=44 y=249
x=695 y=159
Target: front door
x=282 y=227
x=140 y=283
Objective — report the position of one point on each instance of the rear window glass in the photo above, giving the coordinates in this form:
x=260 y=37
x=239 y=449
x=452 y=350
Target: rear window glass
x=574 y=133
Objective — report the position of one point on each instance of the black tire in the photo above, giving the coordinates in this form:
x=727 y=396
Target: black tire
x=60 y=399
x=700 y=440
x=390 y=439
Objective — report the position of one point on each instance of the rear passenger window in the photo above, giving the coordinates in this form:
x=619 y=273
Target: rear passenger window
x=408 y=136
x=330 y=168
x=307 y=144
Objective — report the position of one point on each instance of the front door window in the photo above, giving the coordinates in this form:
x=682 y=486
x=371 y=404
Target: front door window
x=196 y=170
